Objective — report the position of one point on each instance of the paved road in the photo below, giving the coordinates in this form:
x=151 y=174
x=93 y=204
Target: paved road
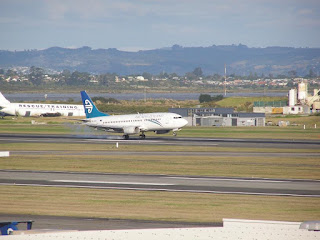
x=178 y=153
x=80 y=223
x=107 y=139
x=194 y=184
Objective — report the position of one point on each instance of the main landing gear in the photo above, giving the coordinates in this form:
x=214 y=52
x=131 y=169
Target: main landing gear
x=142 y=136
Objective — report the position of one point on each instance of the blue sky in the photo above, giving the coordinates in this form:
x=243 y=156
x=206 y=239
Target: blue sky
x=150 y=24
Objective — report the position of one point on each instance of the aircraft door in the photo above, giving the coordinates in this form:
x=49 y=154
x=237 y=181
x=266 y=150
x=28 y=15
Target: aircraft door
x=27 y=114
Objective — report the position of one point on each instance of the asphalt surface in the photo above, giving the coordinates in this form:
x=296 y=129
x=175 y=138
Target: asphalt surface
x=107 y=139
x=194 y=184
x=177 y=153
x=78 y=223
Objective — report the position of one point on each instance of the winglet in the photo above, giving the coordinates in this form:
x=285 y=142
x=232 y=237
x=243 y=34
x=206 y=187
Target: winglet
x=90 y=109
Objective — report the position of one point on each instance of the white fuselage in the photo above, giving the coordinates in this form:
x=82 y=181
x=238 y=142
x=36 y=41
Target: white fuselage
x=41 y=109
x=135 y=123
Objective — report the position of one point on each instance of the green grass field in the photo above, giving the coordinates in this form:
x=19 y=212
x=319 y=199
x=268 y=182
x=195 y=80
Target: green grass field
x=238 y=101
x=160 y=206
x=262 y=167
x=270 y=132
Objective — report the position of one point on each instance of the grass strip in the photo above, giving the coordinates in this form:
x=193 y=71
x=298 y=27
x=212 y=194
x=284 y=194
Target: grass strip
x=261 y=167
x=269 y=132
x=253 y=132
x=143 y=205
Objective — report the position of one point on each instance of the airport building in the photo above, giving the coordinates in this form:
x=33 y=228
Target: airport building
x=219 y=117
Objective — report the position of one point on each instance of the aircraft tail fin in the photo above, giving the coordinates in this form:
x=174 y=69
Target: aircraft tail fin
x=90 y=109
x=3 y=100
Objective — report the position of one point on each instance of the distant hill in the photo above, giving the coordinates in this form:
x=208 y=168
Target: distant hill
x=240 y=59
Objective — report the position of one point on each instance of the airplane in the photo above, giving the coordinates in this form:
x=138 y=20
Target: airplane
x=131 y=124
x=38 y=109
x=7 y=228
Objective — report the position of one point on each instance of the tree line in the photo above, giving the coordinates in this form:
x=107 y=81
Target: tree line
x=38 y=76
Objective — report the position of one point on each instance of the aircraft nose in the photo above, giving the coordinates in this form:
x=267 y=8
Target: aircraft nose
x=184 y=122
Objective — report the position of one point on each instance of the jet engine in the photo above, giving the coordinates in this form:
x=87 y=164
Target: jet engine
x=131 y=130
x=9 y=111
x=162 y=131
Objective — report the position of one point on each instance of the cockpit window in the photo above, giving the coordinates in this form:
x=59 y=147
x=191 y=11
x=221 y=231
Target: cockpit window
x=177 y=117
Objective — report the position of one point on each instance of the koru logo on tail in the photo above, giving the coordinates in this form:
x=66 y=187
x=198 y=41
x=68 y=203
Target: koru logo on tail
x=88 y=105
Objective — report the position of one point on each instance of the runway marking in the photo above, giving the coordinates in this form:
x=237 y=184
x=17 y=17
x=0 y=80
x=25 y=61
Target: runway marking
x=103 y=140
x=230 y=179
x=134 y=141
x=162 y=190
x=106 y=182
x=118 y=140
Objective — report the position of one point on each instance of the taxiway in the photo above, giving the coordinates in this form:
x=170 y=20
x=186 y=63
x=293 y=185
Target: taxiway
x=107 y=139
x=169 y=183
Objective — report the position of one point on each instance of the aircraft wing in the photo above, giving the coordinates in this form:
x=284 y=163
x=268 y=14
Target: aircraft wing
x=125 y=129
x=110 y=129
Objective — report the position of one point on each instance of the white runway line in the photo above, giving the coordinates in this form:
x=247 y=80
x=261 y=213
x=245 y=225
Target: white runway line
x=230 y=179
x=106 y=182
x=135 y=141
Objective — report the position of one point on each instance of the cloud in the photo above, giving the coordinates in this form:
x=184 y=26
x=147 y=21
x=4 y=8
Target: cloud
x=149 y=23
x=151 y=11
x=56 y=10
x=305 y=12
x=177 y=29
x=94 y=9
